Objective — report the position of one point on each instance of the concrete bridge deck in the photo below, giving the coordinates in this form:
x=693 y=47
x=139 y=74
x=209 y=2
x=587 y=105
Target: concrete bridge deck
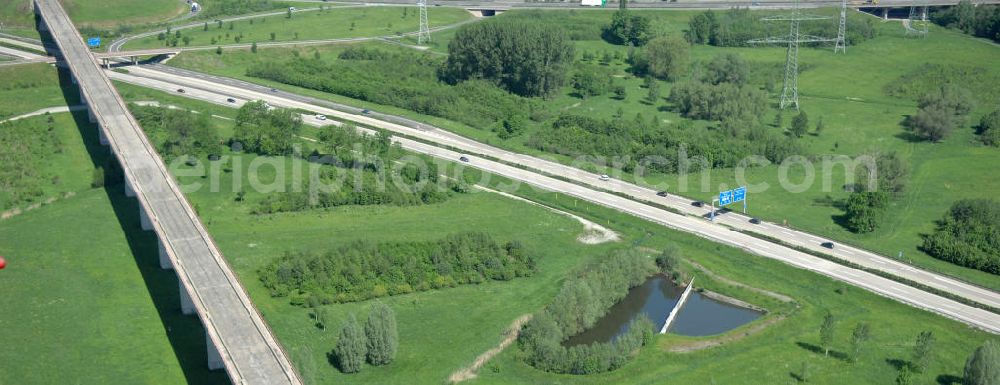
x=238 y=338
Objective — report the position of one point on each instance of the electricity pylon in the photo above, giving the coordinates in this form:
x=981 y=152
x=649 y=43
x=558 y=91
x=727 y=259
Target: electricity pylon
x=916 y=23
x=841 y=45
x=790 y=86
x=424 y=34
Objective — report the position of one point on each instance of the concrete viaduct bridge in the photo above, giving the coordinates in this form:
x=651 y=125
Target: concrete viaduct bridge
x=238 y=339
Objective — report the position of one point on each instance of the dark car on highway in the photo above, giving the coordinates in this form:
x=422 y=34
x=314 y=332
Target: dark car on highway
x=231 y=100
x=828 y=245
x=697 y=204
x=661 y=193
x=181 y=90
x=755 y=221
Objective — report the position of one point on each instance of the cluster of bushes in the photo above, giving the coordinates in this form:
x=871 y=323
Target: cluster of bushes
x=989 y=129
x=969 y=235
x=213 y=8
x=929 y=77
x=978 y=20
x=737 y=26
x=576 y=28
x=868 y=203
x=364 y=270
x=24 y=146
x=697 y=100
x=404 y=80
x=583 y=300
x=376 y=342
x=265 y=130
x=658 y=146
x=940 y=112
x=666 y=58
x=627 y=28
x=524 y=58
x=361 y=169
x=364 y=186
x=178 y=132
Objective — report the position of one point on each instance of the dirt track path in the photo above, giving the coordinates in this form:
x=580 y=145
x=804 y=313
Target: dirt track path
x=510 y=335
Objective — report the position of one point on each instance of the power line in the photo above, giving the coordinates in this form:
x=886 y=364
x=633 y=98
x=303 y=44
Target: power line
x=916 y=23
x=424 y=34
x=841 y=45
x=790 y=85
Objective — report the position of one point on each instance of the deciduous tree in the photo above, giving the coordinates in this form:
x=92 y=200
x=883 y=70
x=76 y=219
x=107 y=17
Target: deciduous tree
x=351 y=347
x=983 y=366
x=380 y=330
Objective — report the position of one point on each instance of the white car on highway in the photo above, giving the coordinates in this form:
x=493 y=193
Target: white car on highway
x=320 y=117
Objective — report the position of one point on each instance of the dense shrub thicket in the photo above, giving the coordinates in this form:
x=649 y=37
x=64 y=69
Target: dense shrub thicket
x=737 y=26
x=212 y=8
x=981 y=20
x=265 y=130
x=583 y=300
x=361 y=169
x=364 y=270
x=989 y=128
x=941 y=111
x=410 y=82
x=178 y=132
x=929 y=77
x=24 y=146
x=868 y=203
x=969 y=235
x=524 y=58
x=662 y=147
x=628 y=28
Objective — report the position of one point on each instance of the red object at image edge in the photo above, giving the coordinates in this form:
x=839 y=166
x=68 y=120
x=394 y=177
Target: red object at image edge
x=3 y=263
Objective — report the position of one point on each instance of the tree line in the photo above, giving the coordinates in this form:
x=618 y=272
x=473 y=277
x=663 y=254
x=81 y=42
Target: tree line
x=735 y=27
x=178 y=132
x=410 y=82
x=364 y=269
x=968 y=235
x=582 y=300
x=524 y=58
x=362 y=169
x=981 y=20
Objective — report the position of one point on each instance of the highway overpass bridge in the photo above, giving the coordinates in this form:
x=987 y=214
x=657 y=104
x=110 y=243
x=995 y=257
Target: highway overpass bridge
x=238 y=339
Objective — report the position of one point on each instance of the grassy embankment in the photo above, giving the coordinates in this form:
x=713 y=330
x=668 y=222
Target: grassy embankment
x=847 y=91
x=83 y=291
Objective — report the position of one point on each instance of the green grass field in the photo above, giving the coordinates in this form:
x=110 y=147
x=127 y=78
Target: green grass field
x=338 y=22
x=846 y=90
x=444 y=330
x=105 y=13
x=31 y=87
x=83 y=290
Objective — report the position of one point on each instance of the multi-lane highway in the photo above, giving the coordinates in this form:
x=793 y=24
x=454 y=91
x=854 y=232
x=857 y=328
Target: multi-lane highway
x=237 y=337
x=733 y=220
x=587 y=186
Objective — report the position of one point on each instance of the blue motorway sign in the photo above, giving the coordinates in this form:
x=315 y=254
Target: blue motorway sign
x=94 y=42
x=725 y=198
x=739 y=194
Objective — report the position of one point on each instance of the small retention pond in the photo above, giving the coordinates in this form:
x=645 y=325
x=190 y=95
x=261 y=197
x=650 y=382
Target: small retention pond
x=700 y=316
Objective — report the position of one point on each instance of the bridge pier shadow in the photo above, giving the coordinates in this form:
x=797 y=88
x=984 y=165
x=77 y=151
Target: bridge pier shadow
x=186 y=334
